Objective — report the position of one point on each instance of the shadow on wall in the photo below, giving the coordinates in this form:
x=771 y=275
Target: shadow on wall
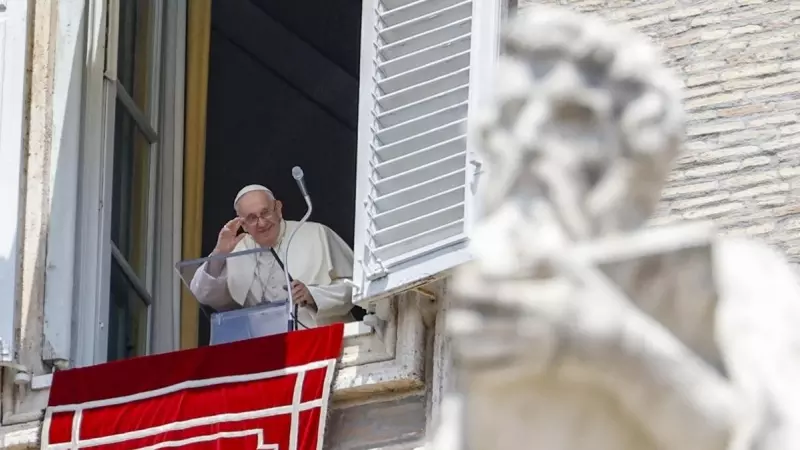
x=62 y=181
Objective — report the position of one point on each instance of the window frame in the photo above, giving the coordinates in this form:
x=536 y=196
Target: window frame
x=146 y=123
x=102 y=89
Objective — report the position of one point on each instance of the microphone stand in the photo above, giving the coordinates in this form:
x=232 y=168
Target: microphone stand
x=357 y=312
x=297 y=173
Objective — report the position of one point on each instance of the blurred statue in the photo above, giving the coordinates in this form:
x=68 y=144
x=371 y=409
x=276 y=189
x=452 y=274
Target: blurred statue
x=576 y=327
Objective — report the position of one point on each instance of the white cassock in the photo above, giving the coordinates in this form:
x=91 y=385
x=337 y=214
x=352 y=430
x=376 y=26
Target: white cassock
x=318 y=258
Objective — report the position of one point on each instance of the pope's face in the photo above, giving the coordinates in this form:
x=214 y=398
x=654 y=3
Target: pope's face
x=261 y=216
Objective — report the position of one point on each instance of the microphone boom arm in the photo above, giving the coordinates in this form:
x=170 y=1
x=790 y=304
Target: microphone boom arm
x=297 y=174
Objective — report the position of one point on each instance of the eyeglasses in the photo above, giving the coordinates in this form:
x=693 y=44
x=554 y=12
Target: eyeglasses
x=264 y=215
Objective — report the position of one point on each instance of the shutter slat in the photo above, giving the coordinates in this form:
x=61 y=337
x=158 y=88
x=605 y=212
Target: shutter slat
x=421 y=207
x=431 y=237
x=415 y=9
x=415 y=76
x=422 y=124
x=440 y=239
x=395 y=30
x=420 y=174
x=425 y=89
x=392 y=167
x=421 y=191
x=421 y=141
x=420 y=41
x=391 y=5
x=425 y=56
x=419 y=225
x=408 y=110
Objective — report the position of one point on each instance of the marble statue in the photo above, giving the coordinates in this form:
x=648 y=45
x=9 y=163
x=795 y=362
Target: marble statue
x=576 y=327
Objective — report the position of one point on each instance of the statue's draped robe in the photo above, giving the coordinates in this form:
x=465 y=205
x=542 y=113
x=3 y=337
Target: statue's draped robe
x=318 y=257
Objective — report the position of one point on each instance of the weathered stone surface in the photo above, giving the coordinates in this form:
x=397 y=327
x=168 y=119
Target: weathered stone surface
x=741 y=64
x=395 y=424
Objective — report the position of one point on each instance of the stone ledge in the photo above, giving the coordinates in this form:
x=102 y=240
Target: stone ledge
x=21 y=436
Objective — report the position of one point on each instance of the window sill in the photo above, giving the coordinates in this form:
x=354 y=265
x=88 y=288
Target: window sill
x=395 y=363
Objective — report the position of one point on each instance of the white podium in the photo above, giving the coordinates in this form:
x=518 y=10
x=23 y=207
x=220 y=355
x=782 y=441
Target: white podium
x=271 y=314
x=256 y=321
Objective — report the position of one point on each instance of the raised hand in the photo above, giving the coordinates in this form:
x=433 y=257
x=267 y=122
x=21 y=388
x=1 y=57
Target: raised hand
x=227 y=239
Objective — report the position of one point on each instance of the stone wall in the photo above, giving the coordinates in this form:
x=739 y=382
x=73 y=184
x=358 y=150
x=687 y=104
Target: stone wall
x=21 y=408
x=740 y=64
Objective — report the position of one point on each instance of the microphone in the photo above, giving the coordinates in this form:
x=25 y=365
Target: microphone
x=297 y=174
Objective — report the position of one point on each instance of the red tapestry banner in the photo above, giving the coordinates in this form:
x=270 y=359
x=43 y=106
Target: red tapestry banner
x=264 y=393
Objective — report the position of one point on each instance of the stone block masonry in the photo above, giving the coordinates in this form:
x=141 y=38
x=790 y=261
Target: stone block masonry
x=740 y=64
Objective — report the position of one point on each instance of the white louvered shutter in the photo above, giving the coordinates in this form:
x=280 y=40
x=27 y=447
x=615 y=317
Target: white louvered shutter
x=13 y=53
x=413 y=204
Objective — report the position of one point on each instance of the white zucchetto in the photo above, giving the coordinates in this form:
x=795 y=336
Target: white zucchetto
x=251 y=188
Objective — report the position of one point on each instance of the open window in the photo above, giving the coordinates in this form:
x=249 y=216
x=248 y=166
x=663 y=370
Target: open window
x=282 y=91
x=425 y=68
x=372 y=100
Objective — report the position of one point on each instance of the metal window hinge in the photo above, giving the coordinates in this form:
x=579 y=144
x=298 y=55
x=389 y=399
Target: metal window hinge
x=376 y=273
x=374 y=269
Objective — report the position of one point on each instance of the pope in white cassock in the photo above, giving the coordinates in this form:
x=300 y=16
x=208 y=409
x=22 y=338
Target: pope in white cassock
x=319 y=261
